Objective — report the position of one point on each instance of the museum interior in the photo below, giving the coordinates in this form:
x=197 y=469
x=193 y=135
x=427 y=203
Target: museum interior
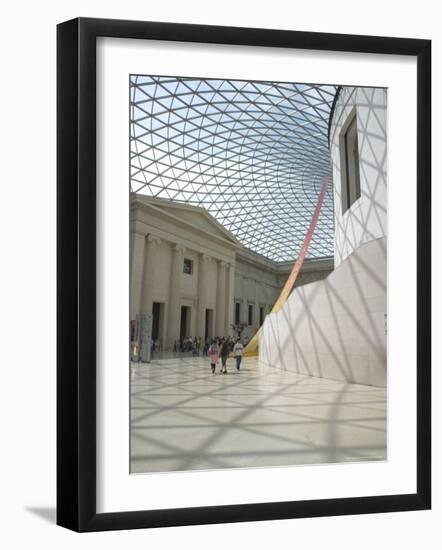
x=258 y=215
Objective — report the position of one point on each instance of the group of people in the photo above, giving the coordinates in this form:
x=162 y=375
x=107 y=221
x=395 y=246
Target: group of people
x=216 y=349
x=188 y=344
x=220 y=348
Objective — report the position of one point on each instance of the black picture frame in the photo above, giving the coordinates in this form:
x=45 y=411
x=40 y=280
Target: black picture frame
x=76 y=274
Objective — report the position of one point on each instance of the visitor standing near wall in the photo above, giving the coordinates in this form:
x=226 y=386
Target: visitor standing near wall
x=237 y=351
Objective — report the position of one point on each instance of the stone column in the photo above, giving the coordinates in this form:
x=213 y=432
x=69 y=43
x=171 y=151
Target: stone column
x=230 y=291
x=220 y=323
x=203 y=276
x=148 y=279
x=174 y=310
x=136 y=273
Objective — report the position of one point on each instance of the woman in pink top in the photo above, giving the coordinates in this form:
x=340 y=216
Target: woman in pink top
x=213 y=354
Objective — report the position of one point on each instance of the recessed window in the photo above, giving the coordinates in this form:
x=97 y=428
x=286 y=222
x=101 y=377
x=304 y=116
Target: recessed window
x=250 y=315
x=350 y=181
x=237 y=313
x=261 y=315
x=188 y=266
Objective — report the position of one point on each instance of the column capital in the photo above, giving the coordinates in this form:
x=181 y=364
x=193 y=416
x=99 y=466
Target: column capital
x=224 y=264
x=205 y=257
x=178 y=248
x=153 y=239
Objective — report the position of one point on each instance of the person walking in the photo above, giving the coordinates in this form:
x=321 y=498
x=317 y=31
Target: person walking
x=225 y=350
x=213 y=354
x=238 y=349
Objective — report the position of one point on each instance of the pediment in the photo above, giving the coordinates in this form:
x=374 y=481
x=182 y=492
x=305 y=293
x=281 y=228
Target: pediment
x=194 y=216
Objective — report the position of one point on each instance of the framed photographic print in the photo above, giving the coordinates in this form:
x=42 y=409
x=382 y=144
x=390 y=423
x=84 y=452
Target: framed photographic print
x=243 y=274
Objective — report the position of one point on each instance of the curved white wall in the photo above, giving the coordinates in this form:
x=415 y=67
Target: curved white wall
x=366 y=219
x=334 y=328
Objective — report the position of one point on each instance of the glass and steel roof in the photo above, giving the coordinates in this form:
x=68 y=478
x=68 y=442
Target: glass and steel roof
x=252 y=153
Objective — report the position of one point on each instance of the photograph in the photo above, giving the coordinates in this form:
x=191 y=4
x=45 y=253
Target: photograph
x=258 y=273
x=225 y=237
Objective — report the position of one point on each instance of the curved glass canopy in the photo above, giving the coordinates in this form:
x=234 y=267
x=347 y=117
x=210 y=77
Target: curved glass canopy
x=253 y=154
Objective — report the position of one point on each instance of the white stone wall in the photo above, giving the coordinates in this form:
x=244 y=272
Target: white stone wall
x=366 y=219
x=163 y=234
x=159 y=284
x=334 y=328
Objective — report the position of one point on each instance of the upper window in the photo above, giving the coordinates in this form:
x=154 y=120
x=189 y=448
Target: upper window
x=188 y=266
x=261 y=315
x=351 y=186
x=237 y=313
x=250 y=315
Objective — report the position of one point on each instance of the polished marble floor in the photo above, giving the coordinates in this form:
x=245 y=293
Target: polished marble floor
x=185 y=418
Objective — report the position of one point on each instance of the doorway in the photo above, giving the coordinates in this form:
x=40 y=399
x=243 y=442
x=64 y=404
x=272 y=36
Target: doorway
x=157 y=320
x=208 y=331
x=185 y=322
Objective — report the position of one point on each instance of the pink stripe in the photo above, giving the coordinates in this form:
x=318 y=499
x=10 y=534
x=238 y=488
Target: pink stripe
x=300 y=260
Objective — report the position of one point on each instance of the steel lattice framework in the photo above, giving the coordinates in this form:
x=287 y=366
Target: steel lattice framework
x=253 y=154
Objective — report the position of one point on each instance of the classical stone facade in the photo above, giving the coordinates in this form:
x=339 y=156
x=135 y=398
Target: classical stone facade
x=195 y=278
